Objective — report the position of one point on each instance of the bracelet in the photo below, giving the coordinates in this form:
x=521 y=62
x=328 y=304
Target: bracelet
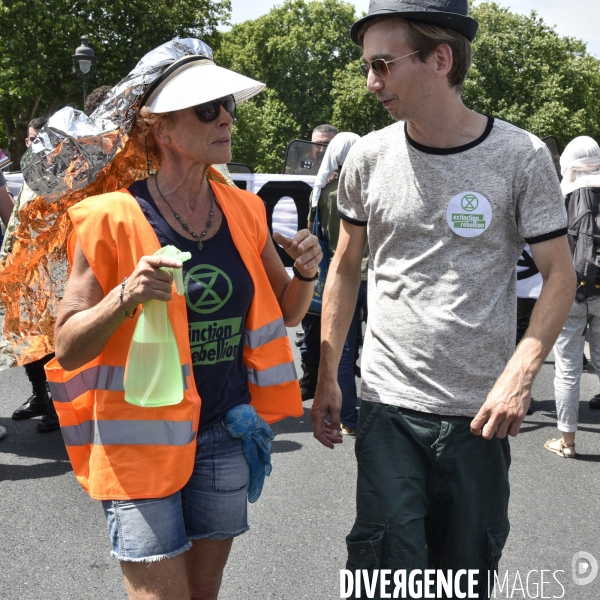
x=121 y=301
x=303 y=278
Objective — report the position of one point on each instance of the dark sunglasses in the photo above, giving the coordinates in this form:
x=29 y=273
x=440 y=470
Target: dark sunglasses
x=209 y=111
x=32 y=138
x=380 y=66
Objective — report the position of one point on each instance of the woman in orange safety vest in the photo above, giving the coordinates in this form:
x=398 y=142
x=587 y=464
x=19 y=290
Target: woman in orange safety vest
x=173 y=481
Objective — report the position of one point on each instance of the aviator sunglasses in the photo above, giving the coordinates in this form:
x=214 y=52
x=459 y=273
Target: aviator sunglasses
x=209 y=111
x=380 y=66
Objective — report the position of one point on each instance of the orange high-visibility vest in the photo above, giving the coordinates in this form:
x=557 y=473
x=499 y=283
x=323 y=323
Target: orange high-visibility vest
x=120 y=451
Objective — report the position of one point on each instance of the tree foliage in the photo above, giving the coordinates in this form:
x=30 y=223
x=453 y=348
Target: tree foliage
x=39 y=38
x=354 y=107
x=526 y=73
x=296 y=49
x=523 y=72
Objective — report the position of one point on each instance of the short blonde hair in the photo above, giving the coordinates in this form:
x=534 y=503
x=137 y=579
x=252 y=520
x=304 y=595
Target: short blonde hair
x=425 y=38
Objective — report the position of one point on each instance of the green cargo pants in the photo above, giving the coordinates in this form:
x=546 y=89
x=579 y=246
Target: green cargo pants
x=430 y=494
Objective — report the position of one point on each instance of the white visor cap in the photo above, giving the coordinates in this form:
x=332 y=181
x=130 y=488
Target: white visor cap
x=198 y=82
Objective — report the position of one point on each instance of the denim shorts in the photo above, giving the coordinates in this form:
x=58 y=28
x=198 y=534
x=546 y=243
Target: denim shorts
x=213 y=505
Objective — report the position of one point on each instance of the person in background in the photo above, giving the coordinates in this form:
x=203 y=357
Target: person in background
x=324 y=200
x=7 y=202
x=580 y=167
x=310 y=337
x=96 y=98
x=529 y=286
x=322 y=134
x=40 y=402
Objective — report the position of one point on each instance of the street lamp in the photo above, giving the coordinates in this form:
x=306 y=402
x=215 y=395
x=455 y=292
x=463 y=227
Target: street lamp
x=84 y=57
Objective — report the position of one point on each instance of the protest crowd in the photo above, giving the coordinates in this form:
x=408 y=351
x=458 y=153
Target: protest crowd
x=447 y=234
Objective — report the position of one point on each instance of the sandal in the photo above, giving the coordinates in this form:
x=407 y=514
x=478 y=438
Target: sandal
x=558 y=446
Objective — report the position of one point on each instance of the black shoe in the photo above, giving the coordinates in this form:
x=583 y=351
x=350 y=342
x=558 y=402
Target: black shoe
x=35 y=406
x=595 y=402
x=49 y=422
x=308 y=381
x=299 y=341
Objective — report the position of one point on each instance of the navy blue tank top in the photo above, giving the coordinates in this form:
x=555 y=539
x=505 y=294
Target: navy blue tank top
x=218 y=292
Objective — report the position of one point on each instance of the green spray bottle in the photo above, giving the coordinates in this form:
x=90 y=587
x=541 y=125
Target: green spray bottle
x=153 y=374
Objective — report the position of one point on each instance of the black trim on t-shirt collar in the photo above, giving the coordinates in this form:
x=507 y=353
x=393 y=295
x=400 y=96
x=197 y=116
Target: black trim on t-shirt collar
x=546 y=236
x=457 y=149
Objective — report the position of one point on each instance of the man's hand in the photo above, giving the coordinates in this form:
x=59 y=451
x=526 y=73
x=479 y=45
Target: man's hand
x=327 y=403
x=304 y=248
x=504 y=409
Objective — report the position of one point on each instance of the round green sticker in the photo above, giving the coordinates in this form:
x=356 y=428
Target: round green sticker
x=469 y=214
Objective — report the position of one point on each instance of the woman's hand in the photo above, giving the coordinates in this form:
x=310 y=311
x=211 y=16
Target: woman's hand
x=149 y=282
x=88 y=318
x=304 y=248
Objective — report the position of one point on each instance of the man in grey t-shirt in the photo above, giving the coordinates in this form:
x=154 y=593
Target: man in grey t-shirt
x=448 y=200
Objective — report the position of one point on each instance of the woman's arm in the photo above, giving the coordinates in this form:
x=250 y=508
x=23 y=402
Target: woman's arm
x=293 y=295
x=87 y=318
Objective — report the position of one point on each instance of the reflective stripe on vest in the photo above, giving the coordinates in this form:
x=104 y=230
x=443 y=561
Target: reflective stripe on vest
x=103 y=377
x=154 y=433
x=273 y=376
x=265 y=334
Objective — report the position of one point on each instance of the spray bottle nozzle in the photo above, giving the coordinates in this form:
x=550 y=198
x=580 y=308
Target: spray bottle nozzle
x=173 y=252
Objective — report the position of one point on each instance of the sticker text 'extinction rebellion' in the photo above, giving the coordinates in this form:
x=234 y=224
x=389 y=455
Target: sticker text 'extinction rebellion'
x=462 y=221
x=214 y=341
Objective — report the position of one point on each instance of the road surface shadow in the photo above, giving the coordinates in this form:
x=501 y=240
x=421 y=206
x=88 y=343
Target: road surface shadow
x=23 y=439
x=301 y=424
x=38 y=471
x=285 y=446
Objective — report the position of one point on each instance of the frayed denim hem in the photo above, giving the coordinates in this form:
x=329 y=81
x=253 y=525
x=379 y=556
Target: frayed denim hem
x=151 y=559
x=219 y=535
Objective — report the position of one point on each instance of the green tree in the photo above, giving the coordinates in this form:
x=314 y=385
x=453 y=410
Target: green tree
x=262 y=133
x=354 y=107
x=526 y=73
x=296 y=49
x=39 y=37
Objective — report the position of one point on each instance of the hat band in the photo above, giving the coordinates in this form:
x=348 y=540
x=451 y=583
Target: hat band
x=172 y=71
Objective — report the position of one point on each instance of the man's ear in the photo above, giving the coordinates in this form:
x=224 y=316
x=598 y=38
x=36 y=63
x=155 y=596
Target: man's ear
x=444 y=59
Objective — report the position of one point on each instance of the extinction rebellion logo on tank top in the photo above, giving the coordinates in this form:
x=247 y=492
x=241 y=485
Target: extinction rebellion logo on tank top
x=207 y=291
x=469 y=214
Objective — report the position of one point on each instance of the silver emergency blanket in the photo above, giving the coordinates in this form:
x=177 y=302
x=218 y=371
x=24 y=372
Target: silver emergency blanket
x=72 y=148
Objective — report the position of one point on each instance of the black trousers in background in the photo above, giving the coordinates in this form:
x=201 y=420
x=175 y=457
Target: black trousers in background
x=37 y=375
x=310 y=351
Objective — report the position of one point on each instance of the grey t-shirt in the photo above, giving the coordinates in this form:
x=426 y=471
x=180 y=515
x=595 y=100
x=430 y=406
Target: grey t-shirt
x=445 y=228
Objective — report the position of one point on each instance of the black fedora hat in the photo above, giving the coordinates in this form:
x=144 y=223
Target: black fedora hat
x=446 y=13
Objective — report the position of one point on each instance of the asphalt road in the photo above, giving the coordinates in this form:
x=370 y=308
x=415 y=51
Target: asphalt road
x=54 y=546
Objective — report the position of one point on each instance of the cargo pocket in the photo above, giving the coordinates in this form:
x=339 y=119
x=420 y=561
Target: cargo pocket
x=493 y=543
x=366 y=545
